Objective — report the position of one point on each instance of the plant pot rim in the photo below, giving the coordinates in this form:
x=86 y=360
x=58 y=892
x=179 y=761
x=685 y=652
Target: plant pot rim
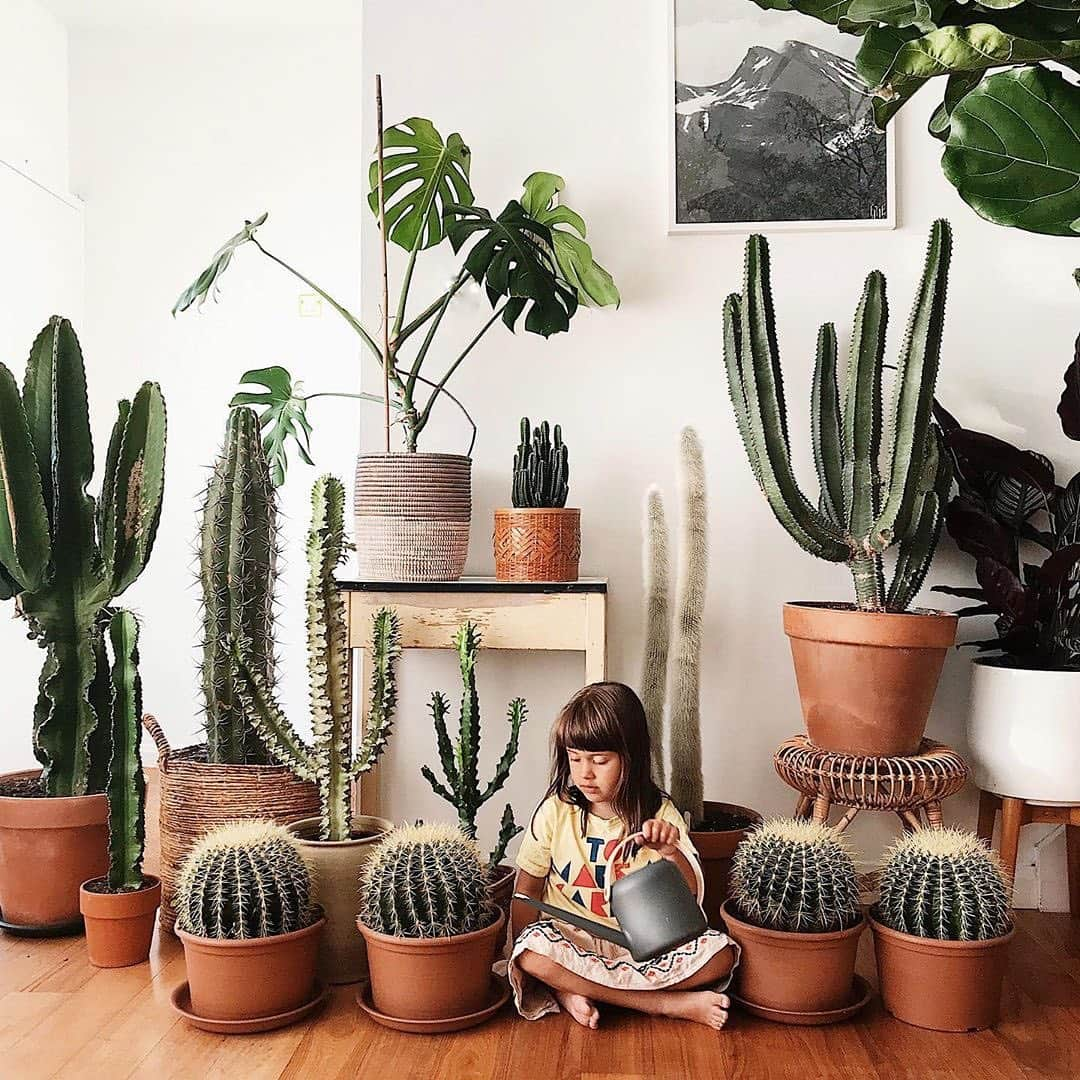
x=150 y=881
x=411 y=455
x=248 y=944
x=791 y=937
x=843 y=607
x=124 y=906
x=392 y=941
x=538 y=510
x=49 y=811
x=756 y=817
x=999 y=663
x=184 y=755
x=938 y=946
x=845 y=624
x=295 y=827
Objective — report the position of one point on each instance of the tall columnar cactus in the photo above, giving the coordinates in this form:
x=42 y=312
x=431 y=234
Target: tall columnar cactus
x=425 y=881
x=867 y=502
x=541 y=467
x=795 y=876
x=64 y=556
x=654 y=659
x=247 y=879
x=945 y=884
x=237 y=567
x=328 y=760
x=460 y=758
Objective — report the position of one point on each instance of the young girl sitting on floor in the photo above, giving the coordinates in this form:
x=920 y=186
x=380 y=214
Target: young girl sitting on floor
x=601 y=792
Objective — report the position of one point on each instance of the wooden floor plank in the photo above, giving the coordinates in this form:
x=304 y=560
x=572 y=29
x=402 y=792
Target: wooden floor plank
x=21 y=1010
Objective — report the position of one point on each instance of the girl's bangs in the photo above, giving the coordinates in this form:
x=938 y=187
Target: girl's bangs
x=585 y=726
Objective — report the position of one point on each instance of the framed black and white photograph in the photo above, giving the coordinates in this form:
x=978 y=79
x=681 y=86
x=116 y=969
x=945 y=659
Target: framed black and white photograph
x=771 y=127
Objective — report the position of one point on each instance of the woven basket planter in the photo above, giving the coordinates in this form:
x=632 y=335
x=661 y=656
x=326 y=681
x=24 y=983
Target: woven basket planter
x=537 y=544
x=412 y=516
x=197 y=796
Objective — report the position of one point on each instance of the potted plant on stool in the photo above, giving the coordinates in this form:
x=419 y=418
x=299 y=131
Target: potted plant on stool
x=794 y=910
x=942 y=928
x=431 y=931
x=119 y=909
x=64 y=557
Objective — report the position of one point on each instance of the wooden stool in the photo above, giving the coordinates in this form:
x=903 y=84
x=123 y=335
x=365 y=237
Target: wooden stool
x=910 y=787
x=1016 y=813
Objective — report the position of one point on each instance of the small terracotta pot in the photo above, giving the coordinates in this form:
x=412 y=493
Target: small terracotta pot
x=716 y=850
x=789 y=972
x=253 y=978
x=336 y=869
x=501 y=888
x=119 y=926
x=48 y=848
x=940 y=985
x=431 y=978
x=537 y=543
x=867 y=679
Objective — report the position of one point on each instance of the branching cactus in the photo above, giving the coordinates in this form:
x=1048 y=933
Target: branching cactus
x=541 y=467
x=237 y=566
x=654 y=659
x=796 y=876
x=247 y=879
x=328 y=761
x=870 y=498
x=945 y=884
x=64 y=556
x=425 y=881
x=460 y=758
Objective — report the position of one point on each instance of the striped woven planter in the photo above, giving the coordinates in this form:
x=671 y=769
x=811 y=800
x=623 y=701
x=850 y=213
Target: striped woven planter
x=537 y=544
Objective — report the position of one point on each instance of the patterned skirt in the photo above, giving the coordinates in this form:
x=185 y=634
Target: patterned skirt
x=602 y=962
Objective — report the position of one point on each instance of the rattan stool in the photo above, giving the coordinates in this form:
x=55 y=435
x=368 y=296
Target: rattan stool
x=910 y=787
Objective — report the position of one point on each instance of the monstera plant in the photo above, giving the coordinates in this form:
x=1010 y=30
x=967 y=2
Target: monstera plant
x=1007 y=119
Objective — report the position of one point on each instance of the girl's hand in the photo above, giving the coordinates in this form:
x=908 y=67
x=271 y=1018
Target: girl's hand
x=660 y=836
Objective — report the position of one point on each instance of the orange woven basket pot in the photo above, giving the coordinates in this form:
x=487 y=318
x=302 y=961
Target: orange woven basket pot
x=537 y=544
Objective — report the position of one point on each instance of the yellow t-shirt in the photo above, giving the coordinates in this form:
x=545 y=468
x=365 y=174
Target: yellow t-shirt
x=574 y=865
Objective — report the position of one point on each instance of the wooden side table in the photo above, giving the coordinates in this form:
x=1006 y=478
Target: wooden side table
x=529 y=615
x=1015 y=814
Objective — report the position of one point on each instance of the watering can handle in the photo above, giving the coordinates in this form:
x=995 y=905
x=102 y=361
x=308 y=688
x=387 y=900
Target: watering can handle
x=684 y=848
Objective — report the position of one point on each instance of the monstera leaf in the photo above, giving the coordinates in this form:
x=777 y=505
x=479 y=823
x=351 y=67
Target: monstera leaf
x=284 y=418
x=422 y=177
x=1013 y=152
x=540 y=200
x=206 y=282
x=513 y=258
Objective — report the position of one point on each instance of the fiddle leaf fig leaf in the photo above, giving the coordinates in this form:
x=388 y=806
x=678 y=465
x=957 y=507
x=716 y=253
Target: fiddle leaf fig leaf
x=206 y=284
x=956 y=86
x=922 y=14
x=875 y=57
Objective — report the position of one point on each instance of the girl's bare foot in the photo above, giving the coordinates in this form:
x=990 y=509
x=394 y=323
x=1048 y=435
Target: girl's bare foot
x=580 y=1008
x=702 y=1006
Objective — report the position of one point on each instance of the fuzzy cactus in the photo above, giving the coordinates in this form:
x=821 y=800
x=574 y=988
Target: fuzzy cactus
x=654 y=659
x=328 y=761
x=869 y=500
x=247 y=879
x=796 y=876
x=541 y=467
x=425 y=881
x=945 y=884
x=238 y=552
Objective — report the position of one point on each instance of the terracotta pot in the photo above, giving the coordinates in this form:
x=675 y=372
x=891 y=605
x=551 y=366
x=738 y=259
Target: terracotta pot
x=941 y=985
x=867 y=679
x=716 y=850
x=253 y=978
x=431 y=978
x=798 y=973
x=336 y=873
x=502 y=889
x=412 y=516
x=48 y=848
x=537 y=544
x=119 y=926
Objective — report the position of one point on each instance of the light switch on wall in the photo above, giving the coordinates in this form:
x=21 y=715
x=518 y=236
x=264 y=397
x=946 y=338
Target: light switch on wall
x=310 y=305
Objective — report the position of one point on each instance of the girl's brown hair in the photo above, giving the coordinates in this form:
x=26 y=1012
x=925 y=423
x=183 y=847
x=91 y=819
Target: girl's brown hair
x=606 y=716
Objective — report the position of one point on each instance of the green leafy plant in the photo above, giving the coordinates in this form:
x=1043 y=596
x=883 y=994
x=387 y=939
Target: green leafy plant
x=541 y=467
x=64 y=555
x=328 y=761
x=869 y=501
x=460 y=757
x=1010 y=145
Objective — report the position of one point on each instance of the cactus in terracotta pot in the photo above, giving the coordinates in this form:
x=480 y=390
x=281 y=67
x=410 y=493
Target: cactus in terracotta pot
x=541 y=467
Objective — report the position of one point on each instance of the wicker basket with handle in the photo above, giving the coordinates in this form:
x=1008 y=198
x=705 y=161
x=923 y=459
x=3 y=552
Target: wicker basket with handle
x=197 y=796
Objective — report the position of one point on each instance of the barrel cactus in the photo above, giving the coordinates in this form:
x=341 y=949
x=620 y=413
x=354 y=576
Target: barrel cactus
x=541 y=467
x=796 y=876
x=247 y=879
x=426 y=881
x=945 y=884
x=868 y=501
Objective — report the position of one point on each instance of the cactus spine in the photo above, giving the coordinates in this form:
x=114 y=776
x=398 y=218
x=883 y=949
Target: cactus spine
x=329 y=760
x=237 y=568
x=64 y=556
x=247 y=879
x=460 y=758
x=541 y=467
x=866 y=505
x=945 y=884
x=797 y=876
x=654 y=660
x=425 y=881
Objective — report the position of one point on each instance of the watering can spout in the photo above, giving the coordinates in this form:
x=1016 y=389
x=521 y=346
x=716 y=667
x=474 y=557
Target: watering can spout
x=588 y=925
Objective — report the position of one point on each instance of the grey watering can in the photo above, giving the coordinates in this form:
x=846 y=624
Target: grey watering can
x=653 y=906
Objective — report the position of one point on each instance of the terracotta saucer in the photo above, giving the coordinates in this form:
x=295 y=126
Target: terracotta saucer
x=860 y=991
x=181 y=1002
x=63 y=929
x=500 y=994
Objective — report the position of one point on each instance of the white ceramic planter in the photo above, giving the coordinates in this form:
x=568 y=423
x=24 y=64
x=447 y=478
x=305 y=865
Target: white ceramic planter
x=1024 y=733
